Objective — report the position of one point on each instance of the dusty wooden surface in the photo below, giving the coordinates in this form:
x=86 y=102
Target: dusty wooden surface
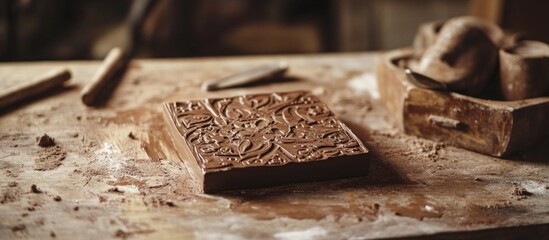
x=98 y=182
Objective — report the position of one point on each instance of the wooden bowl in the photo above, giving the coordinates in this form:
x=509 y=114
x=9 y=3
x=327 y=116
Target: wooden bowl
x=524 y=70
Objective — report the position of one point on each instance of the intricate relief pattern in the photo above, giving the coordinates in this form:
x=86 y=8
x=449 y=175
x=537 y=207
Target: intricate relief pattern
x=259 y=130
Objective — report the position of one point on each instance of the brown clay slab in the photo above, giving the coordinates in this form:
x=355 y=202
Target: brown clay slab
x=262 y=140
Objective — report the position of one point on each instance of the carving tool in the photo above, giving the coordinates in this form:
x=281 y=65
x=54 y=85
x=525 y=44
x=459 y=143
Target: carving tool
x=54 y=78
x=253 y=75
x=422 y=81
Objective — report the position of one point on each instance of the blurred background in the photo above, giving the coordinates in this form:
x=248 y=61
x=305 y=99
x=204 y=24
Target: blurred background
x=33 y=30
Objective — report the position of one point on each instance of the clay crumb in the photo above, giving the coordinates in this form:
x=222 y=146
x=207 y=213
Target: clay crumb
x=12 y=184
x=19 y=227
x=136 y=81
x=35 y=189
x=520 y=193
x=45 y=141
x=499 y=205
x=121 y=234
x=115 y=190
x=132 y=136
x=57 y=198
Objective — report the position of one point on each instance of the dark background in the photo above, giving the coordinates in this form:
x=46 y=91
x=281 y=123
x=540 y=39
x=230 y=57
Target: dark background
x=85 y=29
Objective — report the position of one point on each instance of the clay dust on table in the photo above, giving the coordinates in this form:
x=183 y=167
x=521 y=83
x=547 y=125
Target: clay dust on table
x=520 y=193
x=49 y=158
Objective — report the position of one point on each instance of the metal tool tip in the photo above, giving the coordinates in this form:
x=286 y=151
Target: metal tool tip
x=208 y=86
x=283 y=65
x=422 y=81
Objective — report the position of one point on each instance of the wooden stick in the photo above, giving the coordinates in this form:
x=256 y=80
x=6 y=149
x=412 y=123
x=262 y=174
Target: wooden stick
x=112 y=63
x=246 y=77
x=51 y=79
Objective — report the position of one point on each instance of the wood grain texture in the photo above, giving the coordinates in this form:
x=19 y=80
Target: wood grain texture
x=113 y=184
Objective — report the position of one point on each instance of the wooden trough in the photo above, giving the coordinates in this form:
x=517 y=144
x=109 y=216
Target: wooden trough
x=491 y=127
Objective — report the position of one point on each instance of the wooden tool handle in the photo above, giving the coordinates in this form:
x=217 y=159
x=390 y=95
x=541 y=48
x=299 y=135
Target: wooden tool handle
x=105 y=73
x=53 y=78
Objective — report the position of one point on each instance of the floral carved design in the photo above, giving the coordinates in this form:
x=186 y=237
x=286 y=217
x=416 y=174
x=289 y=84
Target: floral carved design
x=261 y=130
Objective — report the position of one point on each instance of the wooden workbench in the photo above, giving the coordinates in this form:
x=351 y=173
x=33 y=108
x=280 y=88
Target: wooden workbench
x=98 y=182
